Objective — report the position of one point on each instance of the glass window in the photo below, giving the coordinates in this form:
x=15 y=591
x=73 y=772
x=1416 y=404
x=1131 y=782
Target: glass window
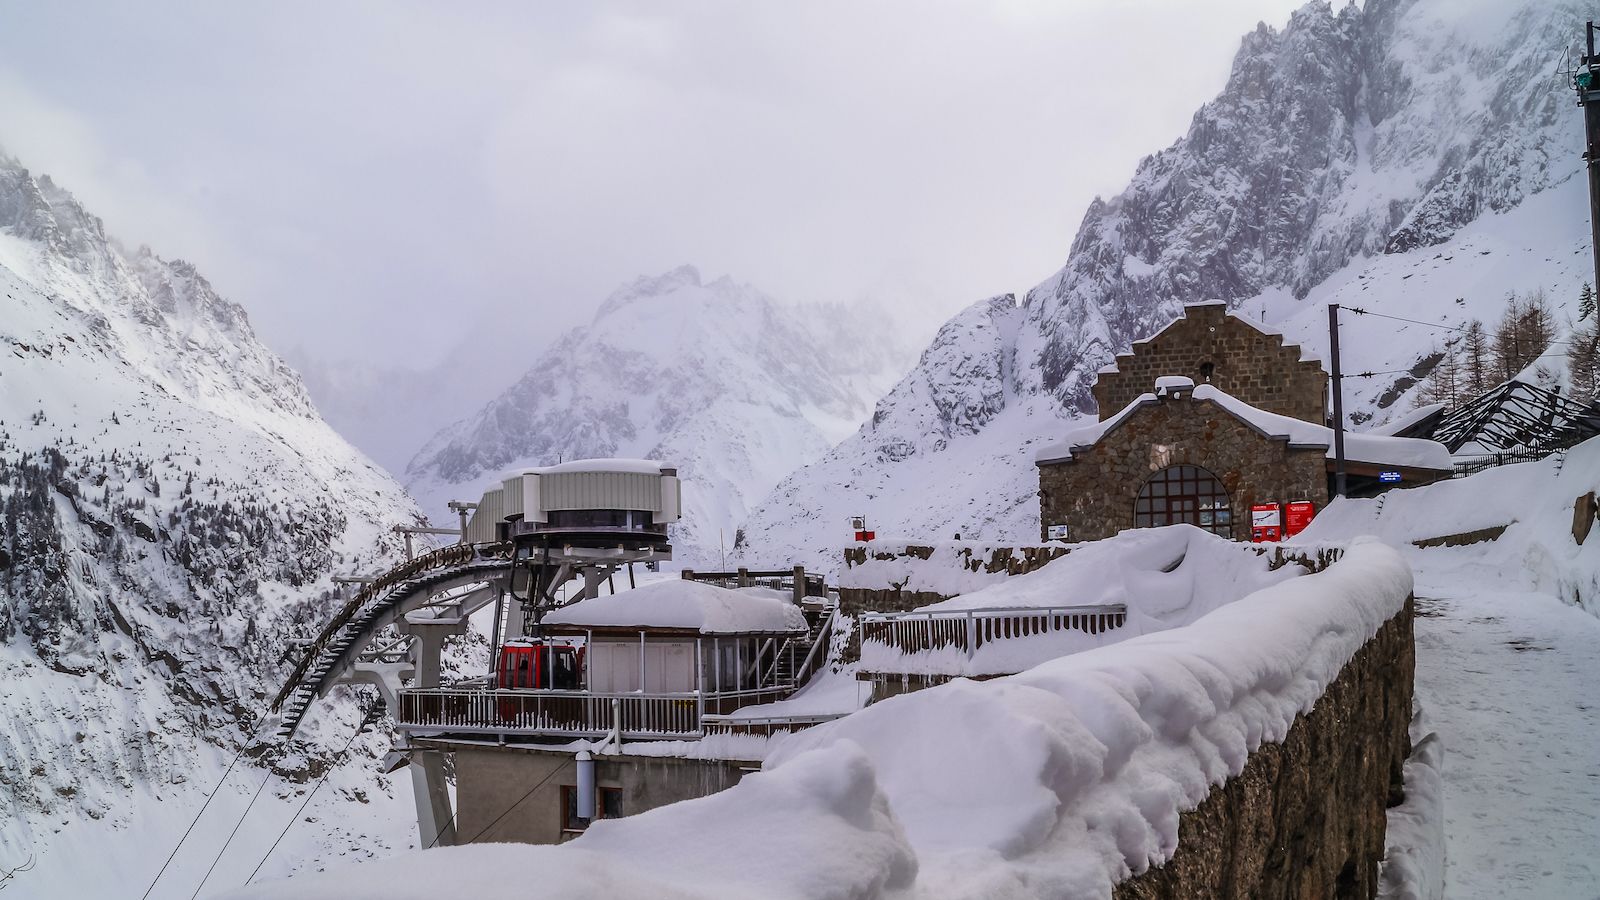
x=1184 y=495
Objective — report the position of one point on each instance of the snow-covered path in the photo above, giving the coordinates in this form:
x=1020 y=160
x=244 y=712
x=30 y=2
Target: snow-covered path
x=1511 y=681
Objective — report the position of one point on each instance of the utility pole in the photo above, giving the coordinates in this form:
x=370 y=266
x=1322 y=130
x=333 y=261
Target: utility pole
x=1338 y=401
x=1586 y=81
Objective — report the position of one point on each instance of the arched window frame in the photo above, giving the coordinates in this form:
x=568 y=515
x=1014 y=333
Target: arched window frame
x=1184 y=494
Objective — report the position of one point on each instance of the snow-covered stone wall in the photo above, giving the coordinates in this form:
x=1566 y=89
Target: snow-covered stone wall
x=1306 y=817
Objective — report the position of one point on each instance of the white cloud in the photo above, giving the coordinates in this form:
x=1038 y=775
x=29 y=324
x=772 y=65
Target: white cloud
x=380 y=183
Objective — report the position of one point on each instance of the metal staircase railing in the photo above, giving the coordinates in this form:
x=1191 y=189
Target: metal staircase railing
x=338 y=638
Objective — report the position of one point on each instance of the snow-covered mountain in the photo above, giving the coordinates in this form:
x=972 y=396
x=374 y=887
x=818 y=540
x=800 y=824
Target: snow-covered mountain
x=1349 y=151
x=735 y=389
x=171 y=509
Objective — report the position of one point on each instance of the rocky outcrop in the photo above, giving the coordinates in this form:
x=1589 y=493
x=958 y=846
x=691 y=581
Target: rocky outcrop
x=1306 y=816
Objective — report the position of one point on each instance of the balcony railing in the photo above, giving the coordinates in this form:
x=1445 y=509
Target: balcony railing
x=969 y=629
x=636 y=715
x=765 y=726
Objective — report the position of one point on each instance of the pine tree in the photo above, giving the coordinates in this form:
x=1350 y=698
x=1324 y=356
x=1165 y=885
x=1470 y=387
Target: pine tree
x=1586 y=302
x=1583 y=361
x=1444 y=382
x=1477 y=374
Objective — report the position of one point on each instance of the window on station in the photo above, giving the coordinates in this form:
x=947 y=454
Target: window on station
x=1184 y=495
x=608 y=805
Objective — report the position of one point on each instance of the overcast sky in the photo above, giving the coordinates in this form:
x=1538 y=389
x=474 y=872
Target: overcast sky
x=372 y=180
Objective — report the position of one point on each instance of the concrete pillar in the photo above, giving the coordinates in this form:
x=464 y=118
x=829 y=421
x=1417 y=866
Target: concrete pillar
x=429 y=643
x=744 y=577
x=435 y=822
x=799 y=585
x=592 y=577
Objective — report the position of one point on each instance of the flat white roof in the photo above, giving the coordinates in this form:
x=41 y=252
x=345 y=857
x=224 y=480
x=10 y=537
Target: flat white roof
x=631 y=466
x=690 y=605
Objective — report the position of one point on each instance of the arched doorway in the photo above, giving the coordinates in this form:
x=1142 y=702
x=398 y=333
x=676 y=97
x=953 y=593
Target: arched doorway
x=1187 y=495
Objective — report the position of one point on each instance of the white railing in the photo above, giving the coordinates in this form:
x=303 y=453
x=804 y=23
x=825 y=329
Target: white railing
x=969 y=629
x=635 y=716
x=765 y=726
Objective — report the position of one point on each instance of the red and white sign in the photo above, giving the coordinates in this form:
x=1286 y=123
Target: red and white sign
x=866 y=535
x=1266 y=523
x=1297 y=516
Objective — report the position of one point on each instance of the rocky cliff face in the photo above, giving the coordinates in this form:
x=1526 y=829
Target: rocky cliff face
x=1345 y=134
x=712 y=376
x=1350 y=151
x=171 y=509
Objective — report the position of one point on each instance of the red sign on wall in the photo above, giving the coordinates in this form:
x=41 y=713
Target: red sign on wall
x=1297 y=516
x=1266 y=523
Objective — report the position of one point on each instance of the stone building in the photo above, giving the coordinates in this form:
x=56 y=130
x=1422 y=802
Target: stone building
x=1213 y=346
x=1210 y=417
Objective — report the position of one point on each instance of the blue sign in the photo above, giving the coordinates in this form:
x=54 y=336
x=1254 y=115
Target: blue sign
x=1389 y=477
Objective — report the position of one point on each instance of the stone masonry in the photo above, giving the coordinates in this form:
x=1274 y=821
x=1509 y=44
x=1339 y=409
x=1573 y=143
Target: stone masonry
x=1306 y=818
x=1210 y=345
x=1093 y=493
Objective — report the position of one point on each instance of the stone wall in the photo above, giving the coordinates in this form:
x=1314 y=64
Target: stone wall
x=1306 y=817
x=894 y=597
x=1093 y=493
x=1255 y=367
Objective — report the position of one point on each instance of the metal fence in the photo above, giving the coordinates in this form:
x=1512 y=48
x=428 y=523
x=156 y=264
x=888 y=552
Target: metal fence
x=635 y=716
x=969 y=629
x=764 y=726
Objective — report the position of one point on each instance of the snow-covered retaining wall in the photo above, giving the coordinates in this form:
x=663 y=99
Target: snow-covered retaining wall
x=888 y=576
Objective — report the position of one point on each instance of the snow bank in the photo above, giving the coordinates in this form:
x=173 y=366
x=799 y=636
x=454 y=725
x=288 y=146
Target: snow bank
x=1067 y=778
x=695 y=605
x=819 y=827
x=1534 y=500
x=1167 y=577
x=1414 y=845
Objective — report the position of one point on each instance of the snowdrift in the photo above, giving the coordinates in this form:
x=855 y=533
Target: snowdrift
x=1058 y=782
x=1534 y=501
x=1167 y=577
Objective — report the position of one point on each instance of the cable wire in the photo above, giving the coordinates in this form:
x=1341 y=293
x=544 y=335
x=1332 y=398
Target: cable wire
x=209 y=797
x=236 y=826
x=360 y=727
x=1367 y=312
x=553 y=773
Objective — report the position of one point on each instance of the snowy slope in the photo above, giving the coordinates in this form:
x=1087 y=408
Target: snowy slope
x=1396 y=157
x=735 y=389
x=171 y=508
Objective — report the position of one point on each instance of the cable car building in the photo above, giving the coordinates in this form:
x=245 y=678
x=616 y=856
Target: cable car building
x=581 y=669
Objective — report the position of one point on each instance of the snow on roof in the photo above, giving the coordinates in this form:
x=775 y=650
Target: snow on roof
x=632 y=466
x=1402 y=422
x=1365 y=447
x=691 y=605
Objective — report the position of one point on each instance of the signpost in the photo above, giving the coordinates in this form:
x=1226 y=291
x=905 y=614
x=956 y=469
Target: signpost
x=1297 y=515
x=1266 y=523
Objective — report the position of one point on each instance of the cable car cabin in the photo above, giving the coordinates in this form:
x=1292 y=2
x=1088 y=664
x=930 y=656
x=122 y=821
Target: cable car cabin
x=539 y=665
